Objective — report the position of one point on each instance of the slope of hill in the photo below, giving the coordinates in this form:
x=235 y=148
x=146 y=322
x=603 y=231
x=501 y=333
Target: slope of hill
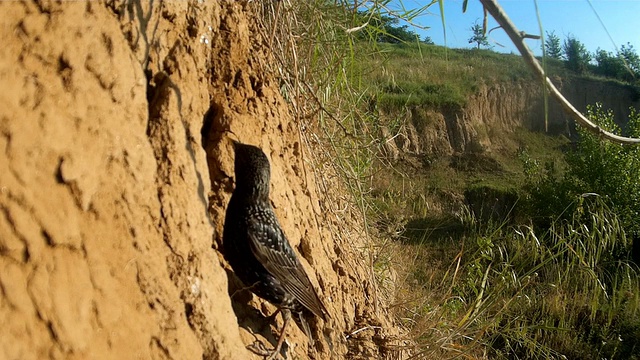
x=463 y=116
x=464 y=100
x=460 y=132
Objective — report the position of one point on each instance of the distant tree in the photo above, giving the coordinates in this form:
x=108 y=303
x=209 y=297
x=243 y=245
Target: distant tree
x=576 y=55
x=552 y=46
x=479 y=37
x=386 y=29
x=631 y=61
x=609 y=65
x=427 y=40
x=623 y=66
x=397 y=34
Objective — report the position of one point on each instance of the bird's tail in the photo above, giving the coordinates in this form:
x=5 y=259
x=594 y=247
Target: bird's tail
x=301 y=321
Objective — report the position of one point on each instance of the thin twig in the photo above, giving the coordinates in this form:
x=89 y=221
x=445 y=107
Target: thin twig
x=370 y=327
x=516 y=36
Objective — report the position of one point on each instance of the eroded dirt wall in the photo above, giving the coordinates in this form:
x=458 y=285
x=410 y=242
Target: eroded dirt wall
x=494 y=112
x=115 y=120
x=105 y=239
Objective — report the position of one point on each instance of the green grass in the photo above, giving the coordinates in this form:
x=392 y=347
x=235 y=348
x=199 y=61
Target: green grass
x=510 y=293
x=464 y=286
x=399 y=75
x=496 y=289
x=486 y=286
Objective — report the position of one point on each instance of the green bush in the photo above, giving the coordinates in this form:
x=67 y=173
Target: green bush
x=593 y=166
x=561 y=293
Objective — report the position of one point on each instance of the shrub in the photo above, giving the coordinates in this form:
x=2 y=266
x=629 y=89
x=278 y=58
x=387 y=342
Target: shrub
x=593 y=166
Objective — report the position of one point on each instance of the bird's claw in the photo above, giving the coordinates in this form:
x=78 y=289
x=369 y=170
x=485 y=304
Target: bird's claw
x=258 y=348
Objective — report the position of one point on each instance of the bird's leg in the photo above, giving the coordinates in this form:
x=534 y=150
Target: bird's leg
x=286 y=315
x=260 y=349
x=269 y=320
x=272 y=317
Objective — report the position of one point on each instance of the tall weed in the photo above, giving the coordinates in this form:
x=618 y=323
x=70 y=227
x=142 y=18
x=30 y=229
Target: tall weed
x=514 y=294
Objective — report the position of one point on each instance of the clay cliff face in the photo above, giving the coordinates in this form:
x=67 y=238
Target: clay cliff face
x=497 y=110
x=115 y=120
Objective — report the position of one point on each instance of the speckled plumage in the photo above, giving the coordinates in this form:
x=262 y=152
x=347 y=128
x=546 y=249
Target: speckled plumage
x=256 y=247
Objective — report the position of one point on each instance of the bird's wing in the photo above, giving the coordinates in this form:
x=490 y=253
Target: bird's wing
x=271 y=248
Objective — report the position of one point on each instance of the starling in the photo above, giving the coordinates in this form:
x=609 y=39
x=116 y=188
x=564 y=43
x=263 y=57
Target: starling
x=257 y=249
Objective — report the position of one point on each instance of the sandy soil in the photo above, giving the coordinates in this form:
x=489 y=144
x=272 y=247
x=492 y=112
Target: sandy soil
x=115 y=120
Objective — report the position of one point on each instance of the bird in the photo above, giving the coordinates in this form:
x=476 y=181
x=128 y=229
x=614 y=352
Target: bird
x=257 y=249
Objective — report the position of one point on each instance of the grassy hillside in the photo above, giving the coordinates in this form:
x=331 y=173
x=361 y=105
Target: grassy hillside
x=495 y=286
x=401 y=76
x=417 y=74
x=465 y=285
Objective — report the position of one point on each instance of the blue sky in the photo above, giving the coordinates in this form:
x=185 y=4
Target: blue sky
x=575 y=17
